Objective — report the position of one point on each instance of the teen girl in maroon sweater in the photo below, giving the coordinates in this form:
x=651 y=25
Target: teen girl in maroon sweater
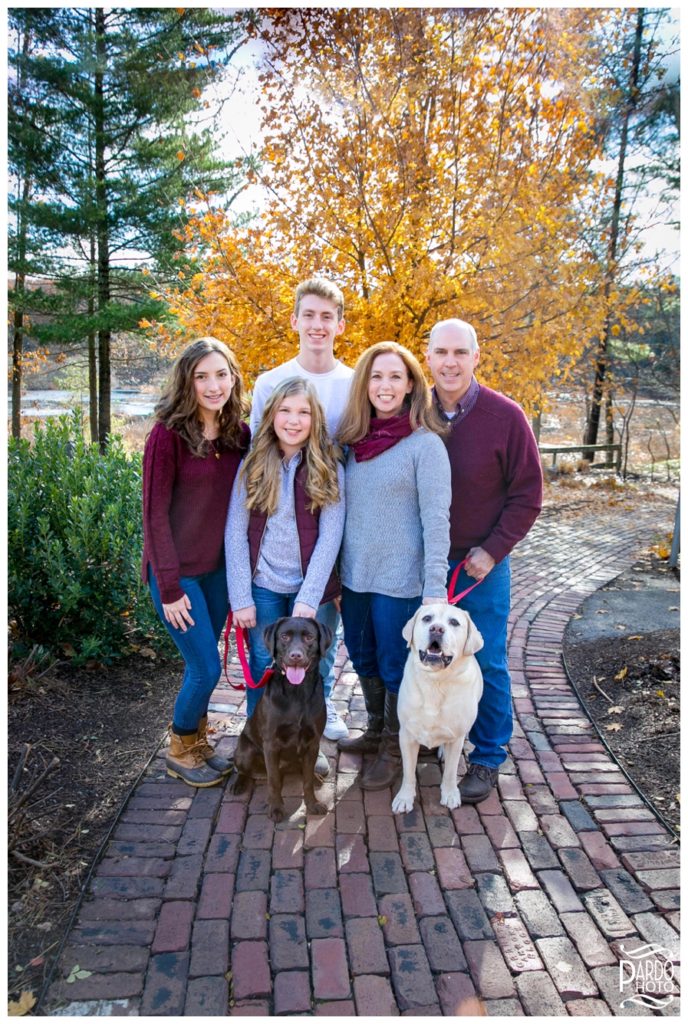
x=189 y=463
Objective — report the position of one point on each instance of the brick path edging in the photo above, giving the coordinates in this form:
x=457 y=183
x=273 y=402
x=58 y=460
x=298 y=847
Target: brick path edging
x=523 y=905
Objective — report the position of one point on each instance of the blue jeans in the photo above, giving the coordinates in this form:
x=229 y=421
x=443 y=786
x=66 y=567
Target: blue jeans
x=372 y=634
x=271 y=606
x=488 y=606
x=198 y=645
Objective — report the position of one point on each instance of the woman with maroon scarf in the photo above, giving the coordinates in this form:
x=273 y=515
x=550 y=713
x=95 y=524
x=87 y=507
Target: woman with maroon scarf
x=396 y=535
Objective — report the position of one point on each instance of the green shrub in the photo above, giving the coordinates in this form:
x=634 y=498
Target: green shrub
x=74 y=545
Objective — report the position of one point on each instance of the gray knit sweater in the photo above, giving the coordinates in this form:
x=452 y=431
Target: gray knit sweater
x=396 y=532
x=279 y=562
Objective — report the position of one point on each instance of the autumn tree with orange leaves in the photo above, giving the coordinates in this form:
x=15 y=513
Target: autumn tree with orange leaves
x=434 y=163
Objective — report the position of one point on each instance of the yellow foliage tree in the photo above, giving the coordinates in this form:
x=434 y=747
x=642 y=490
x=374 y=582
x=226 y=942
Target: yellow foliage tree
x=432 y=162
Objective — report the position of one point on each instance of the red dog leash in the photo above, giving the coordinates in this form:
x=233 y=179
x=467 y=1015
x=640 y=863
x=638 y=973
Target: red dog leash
x=242 y=645
x=451 y=597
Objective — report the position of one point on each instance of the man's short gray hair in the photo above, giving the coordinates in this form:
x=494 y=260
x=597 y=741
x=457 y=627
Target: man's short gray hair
x=459 y=325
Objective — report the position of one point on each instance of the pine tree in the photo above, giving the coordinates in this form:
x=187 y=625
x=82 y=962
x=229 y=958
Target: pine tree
x=34 y=138
x=128 y=82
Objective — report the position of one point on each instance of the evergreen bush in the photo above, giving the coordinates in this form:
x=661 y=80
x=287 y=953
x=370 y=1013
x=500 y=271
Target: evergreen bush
x=74 y=545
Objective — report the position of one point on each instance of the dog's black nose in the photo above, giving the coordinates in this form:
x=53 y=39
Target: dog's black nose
x=437 y=629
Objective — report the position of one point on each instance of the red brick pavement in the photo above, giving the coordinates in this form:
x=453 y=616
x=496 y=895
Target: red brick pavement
x=523 y=905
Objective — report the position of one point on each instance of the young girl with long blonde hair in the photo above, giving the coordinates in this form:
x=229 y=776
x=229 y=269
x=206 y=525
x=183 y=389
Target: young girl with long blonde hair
x=285 y=523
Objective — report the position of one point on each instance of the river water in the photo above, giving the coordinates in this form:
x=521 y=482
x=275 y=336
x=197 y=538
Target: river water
x=42 y=404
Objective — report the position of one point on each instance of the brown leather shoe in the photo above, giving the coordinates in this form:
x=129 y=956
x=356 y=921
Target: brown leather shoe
x=218 y=763
x=477 y=783
x=185 y=761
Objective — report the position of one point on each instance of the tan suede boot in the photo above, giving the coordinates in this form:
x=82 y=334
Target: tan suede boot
x=216 y=761
x=185 y=761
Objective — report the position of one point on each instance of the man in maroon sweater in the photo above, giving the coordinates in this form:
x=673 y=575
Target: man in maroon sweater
x=496 y=498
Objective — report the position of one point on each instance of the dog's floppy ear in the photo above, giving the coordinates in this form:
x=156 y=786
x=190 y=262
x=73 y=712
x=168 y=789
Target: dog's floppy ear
x=407 y=631
x=474 y=640
x=325 y=637
x=270 y=636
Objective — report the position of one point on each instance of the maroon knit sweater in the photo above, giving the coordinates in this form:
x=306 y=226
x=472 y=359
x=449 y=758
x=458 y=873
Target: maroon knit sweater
x=496 y=477
x=185 y=501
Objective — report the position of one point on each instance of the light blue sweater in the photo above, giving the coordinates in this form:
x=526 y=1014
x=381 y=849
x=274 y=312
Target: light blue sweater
x=396 y=531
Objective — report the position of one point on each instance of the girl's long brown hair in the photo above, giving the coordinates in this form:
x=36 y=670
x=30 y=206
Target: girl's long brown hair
x=355 y=421
x=177 y=407
x=262 y=466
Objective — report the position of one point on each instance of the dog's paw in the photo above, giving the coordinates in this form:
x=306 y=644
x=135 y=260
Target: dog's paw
x=403 y=801
x=450 y=798
x=316 y=808
x=276 y=812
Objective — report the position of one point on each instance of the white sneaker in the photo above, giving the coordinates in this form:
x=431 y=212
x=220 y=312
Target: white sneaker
x=334 y=727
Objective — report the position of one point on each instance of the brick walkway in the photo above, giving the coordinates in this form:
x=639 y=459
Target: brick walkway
x=201 y=906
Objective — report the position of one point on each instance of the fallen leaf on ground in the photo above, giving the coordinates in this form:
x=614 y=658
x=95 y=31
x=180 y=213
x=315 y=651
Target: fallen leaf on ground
x=622 y=674
x=616 y=710
x=21 y=1006
x=614 y=727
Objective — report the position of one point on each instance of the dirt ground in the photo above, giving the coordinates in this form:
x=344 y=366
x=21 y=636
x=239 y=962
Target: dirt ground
x=104 y=724
x=631 y=687
x=644 y=705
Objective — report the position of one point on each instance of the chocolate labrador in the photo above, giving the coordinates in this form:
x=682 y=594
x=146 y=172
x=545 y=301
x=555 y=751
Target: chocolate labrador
x=288 y=723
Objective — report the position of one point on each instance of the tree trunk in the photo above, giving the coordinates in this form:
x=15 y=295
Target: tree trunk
x=18 y=319
x=102 y=234
x=20 y=288
x=17 y=353
x=609 y=415
x=602 y=353
x=92 y=360
x=536 y=424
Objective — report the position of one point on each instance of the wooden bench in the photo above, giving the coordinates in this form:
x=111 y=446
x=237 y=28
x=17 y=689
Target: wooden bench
x=613 y=450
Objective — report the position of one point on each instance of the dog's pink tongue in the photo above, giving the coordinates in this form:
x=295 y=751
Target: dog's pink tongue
x=295 y=675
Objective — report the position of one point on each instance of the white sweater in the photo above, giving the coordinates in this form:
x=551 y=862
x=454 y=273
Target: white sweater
x=332 y=389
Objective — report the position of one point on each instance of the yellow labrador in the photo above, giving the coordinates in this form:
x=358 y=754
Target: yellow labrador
x=438 y=699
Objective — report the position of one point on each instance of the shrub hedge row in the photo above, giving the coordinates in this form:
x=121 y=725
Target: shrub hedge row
x=74 y=546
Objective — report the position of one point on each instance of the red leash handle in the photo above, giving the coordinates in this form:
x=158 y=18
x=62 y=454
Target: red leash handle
x=242 y=645
x=451 y=597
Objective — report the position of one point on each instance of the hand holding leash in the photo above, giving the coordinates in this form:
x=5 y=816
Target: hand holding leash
x=479 y=563
x=245 y=618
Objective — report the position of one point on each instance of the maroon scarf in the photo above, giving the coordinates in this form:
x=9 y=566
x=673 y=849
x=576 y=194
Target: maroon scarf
x=382 y=434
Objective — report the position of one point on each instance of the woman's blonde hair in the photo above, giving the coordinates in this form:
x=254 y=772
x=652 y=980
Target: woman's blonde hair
x=177 y=407
x=355 y=422
x=262 y=466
